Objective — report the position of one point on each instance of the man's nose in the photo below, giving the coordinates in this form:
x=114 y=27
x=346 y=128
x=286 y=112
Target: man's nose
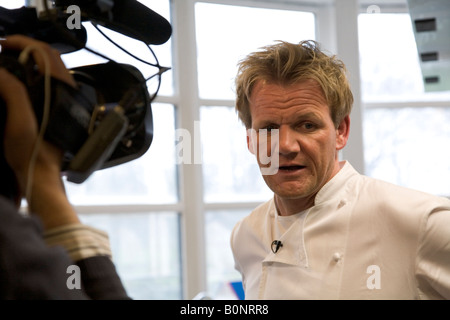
x=288 y=140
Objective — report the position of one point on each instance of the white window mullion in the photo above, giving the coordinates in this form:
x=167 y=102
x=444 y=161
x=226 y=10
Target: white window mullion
x=192 y=219
x=346 y=26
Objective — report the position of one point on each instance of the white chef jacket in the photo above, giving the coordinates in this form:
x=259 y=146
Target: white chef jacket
x=362 y=239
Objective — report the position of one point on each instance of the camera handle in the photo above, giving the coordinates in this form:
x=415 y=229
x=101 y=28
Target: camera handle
x=98 y=147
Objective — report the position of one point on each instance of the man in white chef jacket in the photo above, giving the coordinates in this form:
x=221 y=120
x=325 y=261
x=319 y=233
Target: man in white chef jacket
x=328 y=232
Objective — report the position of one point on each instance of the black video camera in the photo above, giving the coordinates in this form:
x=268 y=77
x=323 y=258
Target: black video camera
x=107 y=120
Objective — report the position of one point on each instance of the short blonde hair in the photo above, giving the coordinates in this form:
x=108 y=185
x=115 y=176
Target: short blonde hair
x=285 y=63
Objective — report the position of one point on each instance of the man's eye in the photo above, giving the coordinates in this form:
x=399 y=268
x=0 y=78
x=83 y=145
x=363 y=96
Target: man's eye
x=309 y=126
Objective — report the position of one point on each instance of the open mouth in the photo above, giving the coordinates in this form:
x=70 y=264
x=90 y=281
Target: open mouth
x=291 y=168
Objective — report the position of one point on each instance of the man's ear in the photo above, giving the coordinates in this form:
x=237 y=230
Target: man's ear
x=342 y=133
x=250 y=140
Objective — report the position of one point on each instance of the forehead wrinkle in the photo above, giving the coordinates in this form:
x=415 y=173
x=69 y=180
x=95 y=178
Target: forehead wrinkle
x=287 y=96
x=284 y=103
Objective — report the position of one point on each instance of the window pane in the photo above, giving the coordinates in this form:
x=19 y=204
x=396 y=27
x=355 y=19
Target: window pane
x=230 y=171
x=225 y=34
x=146 y=251
x=163 y=52
x=97 y=42
x=220 y=262
x=390 y=69
x=409 y=147
x=148 y=179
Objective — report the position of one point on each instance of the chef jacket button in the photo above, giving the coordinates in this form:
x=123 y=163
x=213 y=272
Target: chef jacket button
x=342 y=203
x=337 y=256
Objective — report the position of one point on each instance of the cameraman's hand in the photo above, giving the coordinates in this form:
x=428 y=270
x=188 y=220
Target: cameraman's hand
x=48 y=198
x=57 y=68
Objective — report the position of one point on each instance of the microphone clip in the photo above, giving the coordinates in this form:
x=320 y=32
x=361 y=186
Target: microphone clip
x=276 y=245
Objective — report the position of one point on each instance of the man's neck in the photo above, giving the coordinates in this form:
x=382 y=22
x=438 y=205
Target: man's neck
x=287 y=207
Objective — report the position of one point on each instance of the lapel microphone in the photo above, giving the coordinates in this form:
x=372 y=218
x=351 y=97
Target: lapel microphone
x=276 y=245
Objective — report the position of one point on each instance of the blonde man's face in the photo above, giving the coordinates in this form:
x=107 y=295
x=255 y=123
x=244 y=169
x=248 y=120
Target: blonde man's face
x=307 y=140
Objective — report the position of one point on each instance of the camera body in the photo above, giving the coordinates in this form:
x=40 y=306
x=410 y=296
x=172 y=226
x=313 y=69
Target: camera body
x=65 y=131
x=92 y=123
x=105 y=121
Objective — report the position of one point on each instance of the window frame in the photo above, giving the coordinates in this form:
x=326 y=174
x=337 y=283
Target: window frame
x=401 y=7
x=336 y=30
